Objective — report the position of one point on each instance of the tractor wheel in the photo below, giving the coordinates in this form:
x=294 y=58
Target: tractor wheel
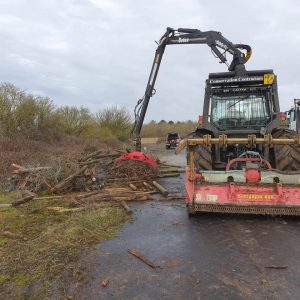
x=287 y=157
x=202 y=155
x=202 y=158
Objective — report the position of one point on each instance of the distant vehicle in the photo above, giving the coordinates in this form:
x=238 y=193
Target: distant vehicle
x=172 y=140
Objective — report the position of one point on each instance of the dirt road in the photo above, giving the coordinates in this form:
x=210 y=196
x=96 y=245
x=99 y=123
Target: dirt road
x=207 y=257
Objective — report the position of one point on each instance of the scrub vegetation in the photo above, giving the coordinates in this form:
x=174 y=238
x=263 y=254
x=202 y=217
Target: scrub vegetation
x=36 y=117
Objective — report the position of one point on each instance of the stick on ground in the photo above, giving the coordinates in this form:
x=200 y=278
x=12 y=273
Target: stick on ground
x=142 y=258
x=276 y=267
x=126 y=207
x=21 y=201
x=12 y=235
x=86 y=195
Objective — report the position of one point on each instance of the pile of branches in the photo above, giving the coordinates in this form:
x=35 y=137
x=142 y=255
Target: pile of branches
x=98 y=176
x=86 y=174
x=133 y=170
x=64 y=175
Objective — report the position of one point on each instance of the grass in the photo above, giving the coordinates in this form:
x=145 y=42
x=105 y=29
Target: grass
x=51 y=243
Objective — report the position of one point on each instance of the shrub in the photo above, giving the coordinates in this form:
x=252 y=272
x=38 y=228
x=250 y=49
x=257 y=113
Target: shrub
x=117 y=120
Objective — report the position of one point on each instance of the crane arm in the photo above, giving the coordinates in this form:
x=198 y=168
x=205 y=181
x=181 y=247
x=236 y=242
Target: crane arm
x=182 y=36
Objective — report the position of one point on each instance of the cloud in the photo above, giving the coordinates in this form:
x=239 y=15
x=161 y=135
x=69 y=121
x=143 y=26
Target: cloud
x=98 y=52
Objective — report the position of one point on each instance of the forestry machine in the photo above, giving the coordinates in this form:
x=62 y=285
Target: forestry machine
x=242 y=158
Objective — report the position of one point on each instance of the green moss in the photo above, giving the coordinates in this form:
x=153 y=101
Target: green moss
x=21 y=279
x=3 y=278
x=7 y=197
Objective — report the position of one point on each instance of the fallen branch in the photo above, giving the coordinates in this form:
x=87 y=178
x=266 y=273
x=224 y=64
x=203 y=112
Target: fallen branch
x=142 y=258
x=90 y=162
x=17 y=169
x=276 y=267
x=170 y=165
x=108 y=155
x=90 y=155
x=86 y=195
x=168 y=170
x=169 y=175
x=12 y=235
x=126 y=207
x=66 y=182
x=21 y=201
x=61 y=209
x=170 y=198
x=52 y=197
x=160 y=188
x=119 y=197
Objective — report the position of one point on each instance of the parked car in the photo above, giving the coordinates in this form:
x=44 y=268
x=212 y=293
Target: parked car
x=172 y=140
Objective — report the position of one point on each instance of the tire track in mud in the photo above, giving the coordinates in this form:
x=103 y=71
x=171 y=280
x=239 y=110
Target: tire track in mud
x=230 y=261
x=248 y=244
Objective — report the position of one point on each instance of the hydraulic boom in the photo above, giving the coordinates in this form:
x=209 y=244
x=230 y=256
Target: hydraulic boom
x=219 y=46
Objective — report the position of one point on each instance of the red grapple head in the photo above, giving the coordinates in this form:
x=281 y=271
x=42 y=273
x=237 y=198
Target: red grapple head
x=138 y=156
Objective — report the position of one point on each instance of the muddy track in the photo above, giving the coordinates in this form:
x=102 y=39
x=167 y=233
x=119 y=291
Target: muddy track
x=207 y=257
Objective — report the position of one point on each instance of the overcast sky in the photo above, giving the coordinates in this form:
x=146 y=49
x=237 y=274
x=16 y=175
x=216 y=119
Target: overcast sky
x=98 y=53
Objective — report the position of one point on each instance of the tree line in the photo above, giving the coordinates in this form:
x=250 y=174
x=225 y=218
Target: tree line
x=22 y=113
x=36 y=117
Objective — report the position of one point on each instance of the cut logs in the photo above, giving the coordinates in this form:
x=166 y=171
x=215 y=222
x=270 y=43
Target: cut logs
x=147 y=185
x=133 y=187
x=126 y=207
x=160 y=188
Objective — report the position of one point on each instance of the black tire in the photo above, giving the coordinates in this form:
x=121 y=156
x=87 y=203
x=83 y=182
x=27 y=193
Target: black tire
x=202 y=158
x=287 y=157
x=202 y=155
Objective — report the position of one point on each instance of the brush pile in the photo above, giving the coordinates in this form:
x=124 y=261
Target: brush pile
x=130 y=169
x=94 y=178
x=65 y=175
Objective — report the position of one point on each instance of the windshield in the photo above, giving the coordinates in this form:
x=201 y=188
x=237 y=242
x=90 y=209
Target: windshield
x=239 y=111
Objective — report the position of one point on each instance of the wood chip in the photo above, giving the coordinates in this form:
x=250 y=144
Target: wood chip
x=105 y=282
